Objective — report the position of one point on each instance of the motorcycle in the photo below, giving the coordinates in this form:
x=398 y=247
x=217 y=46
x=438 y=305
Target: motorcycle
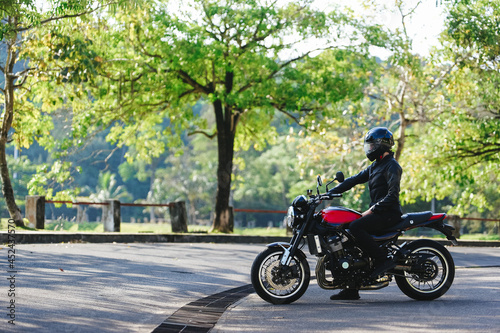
x=280 y=274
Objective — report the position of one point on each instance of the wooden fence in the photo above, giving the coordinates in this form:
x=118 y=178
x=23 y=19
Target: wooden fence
x=35 y=213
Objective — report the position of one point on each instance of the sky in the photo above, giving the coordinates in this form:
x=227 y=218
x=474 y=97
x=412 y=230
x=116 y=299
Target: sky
x=423 y=26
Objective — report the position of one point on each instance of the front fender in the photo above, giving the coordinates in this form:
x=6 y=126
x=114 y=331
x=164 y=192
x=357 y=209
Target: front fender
x=283 y=245
x=285 y=260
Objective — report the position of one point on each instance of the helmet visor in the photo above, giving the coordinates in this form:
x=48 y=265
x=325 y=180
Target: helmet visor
x=370 y=147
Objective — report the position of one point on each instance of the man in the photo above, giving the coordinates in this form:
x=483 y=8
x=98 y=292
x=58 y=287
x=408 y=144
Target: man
x=383 y=177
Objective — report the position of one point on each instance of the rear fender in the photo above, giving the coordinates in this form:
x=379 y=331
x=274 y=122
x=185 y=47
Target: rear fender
x=446 y=229
x=436 y=222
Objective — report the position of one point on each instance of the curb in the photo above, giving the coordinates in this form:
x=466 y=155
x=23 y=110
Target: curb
x=88 y=237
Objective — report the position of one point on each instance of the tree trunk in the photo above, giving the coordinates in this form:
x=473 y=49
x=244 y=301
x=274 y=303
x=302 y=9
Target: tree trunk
x=226 y=130
x=402 y=136
x=152 y=216
x=7 y=190
x=8 y=116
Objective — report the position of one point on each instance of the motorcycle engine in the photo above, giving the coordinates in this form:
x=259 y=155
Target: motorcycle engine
x=344 y=264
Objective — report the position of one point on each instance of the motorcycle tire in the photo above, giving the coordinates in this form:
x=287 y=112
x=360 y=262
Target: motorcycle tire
x=433 y=277
x=279 y=284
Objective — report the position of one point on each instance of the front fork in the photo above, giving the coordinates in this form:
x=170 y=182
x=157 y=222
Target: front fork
x=289 y=251
x=284 y=271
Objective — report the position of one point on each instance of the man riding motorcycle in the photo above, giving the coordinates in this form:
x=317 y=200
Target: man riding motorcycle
x=383 y=177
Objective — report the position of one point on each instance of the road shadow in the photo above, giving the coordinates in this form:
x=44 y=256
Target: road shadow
x=120 y=287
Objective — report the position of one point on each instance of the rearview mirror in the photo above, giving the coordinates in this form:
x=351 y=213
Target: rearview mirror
x=320 y=182
x=339 y=176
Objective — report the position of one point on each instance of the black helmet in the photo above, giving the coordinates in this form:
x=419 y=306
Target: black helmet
x=378 y=140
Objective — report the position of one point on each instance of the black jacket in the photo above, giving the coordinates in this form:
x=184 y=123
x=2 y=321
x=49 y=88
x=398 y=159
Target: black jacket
x=383 y=179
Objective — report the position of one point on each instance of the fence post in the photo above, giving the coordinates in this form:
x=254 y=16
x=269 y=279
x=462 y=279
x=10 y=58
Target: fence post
x=455 y=222
x=178 y=216
x=35 y=210
x=112 y=217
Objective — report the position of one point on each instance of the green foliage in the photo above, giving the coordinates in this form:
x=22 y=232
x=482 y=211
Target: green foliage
x=107 y=189
x=83 y=63
x=50 y=180
x=188 y=177
x=155 y=74
x=153 y=65
x=475 y=25
x=466 y=135
x=20 y=8
x=22 y=22
x=442 y=110
x=265 y=181
x=197 y=59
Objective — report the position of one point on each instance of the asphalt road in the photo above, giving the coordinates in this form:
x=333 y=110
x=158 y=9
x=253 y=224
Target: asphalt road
x=135 y=287
x=471 y=305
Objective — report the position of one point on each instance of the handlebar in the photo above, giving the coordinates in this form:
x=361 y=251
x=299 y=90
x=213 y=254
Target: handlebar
x=326 y=196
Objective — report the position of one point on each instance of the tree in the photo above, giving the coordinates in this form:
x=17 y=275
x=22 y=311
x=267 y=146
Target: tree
x=409 y=87
x=19 y=19
x=474 y=32
x=22 y=170
x=247 y=59
x=457 y=157
x=467 y=135
x=448 y=134
x=404 y=91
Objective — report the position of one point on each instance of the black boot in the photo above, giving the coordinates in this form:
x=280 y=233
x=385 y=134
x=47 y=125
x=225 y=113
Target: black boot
x=346 y=295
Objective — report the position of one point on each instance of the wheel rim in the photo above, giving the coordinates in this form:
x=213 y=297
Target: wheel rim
x=274 y=283
x=434 y=274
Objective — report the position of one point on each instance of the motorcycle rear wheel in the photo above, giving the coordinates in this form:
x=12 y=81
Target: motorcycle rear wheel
x=433 y=277
x=279 y=284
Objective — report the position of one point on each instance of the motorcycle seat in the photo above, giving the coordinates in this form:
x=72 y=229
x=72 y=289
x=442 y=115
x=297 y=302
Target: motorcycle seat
x=408 y=221
x=412 y=220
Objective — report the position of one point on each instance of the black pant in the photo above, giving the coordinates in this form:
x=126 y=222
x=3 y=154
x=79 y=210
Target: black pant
x=363 y=228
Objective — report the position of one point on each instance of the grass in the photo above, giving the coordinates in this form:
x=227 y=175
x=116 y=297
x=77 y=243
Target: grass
x=273 y=232
x=166 y=228
x=480 y=237
x=4 y=225
x=143 y=228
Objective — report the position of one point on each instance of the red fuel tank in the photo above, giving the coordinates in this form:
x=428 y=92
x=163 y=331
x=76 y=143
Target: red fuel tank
x=339 y=215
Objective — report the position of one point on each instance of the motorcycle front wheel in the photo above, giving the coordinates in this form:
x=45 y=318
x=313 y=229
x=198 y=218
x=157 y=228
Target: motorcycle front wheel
x=432 y=276
x=278 y=284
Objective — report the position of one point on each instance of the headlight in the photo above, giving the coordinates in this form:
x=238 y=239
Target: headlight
x=290 y=217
